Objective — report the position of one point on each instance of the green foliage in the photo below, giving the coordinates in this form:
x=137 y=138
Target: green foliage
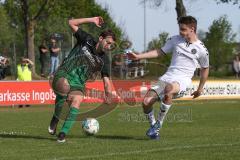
x=158 y=42
x=219 y=41
x=234 y=2
x=65 y=10
x=5 y=32
x=54 y=19
x=12 y=8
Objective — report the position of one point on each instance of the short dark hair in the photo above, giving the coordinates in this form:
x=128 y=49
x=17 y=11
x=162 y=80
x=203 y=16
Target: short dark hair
x=108 y=33
x=188 y=20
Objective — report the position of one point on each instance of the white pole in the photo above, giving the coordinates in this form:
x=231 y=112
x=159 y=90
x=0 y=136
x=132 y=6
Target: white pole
x=145 y=29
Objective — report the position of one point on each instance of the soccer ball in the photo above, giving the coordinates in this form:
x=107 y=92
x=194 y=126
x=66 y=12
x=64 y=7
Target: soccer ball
x=90 y=126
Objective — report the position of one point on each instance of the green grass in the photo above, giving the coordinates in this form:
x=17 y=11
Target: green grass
x=193 y=130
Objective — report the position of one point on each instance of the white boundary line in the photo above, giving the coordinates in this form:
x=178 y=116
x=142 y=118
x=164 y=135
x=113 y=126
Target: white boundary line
x=146 y=151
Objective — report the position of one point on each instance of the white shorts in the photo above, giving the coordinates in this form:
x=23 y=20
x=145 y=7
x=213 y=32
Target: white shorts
x=165 y=79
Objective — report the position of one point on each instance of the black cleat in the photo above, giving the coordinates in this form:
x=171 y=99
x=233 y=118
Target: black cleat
x=61 y=137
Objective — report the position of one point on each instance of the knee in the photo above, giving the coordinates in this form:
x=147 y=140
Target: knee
x=167 y=98
x=147 y=102
x=168 y=94
x=76 y=101
x=168 y=89
x=62 y=86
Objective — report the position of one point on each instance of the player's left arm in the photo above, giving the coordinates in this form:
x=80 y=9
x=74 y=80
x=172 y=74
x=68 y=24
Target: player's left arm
x=74 y=23
x=204 y=63
x=107 y=89
x=203 y=78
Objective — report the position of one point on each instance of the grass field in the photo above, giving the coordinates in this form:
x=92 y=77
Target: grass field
x=194 y=130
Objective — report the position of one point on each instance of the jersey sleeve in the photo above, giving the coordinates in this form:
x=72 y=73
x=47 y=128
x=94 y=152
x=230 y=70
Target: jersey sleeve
x=204 y=59
x=82 y=36
x=169 y=45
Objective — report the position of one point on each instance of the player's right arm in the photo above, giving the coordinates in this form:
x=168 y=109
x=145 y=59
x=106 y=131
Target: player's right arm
x=167 y=48
x=150 y=54
x=74 y=23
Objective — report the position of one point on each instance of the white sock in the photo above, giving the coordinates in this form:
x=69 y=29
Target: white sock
x=151 y=117
x=163 y=112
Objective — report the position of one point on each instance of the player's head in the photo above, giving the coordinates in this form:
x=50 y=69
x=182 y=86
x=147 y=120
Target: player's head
x=106 y=40
x=187 y=26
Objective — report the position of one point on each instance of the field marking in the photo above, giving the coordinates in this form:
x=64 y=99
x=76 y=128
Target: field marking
x=193 y=102
x=145 y=151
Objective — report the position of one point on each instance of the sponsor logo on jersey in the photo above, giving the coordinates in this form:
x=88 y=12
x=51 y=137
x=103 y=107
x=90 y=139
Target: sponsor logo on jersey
x=193 y=51
x=89 y=55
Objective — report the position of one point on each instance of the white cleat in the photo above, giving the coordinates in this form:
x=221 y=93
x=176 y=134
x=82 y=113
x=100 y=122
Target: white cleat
x=61 y=141
x=51 y=131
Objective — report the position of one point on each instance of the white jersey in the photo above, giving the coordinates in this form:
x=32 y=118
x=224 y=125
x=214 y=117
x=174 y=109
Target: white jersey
x=186 y=57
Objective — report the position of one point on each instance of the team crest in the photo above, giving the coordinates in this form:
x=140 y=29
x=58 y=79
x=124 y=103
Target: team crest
x=193 y=51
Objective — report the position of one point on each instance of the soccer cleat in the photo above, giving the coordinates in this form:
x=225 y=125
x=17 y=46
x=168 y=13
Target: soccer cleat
x=51 y=131
x=61 y=137
x=53 y=126
x=153 y=131
x=155 y=136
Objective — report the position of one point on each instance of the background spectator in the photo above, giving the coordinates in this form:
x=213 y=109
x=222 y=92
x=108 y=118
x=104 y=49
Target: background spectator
x=43 y=50
x=3 y=66
x=54 y=53
x=24 y=72
x=236 y=65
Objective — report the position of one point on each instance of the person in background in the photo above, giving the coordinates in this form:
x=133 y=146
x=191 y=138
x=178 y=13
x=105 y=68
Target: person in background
x=236 y=65
x=24 y=72
x=3 y=66
x=43 y=50
x=54 y=53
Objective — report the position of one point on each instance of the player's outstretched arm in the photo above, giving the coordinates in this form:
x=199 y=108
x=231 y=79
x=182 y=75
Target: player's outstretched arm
x=203 y=78
x=150 y=54
x=108 y=90
x=74 y=23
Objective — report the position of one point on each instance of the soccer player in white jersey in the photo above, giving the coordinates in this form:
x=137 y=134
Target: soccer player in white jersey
x=188 y=52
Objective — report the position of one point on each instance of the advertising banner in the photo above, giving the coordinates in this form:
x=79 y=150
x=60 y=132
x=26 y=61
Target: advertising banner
x=40 y=92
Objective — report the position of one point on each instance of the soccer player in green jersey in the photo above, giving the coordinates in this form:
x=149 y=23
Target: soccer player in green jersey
x=83 y=62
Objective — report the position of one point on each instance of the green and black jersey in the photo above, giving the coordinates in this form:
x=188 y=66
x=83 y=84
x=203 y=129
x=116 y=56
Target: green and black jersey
x=83 y=62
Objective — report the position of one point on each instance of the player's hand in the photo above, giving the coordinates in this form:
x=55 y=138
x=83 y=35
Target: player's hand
x=98 y=21
x=133 y=56
x=111 y=97
x=196 y=94
x=108 y=100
